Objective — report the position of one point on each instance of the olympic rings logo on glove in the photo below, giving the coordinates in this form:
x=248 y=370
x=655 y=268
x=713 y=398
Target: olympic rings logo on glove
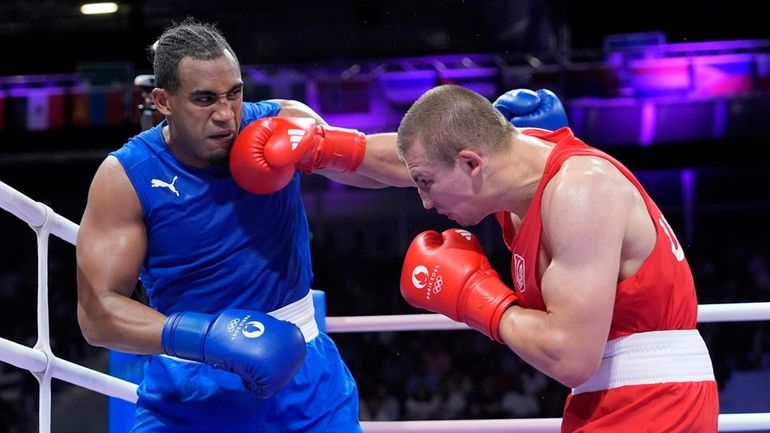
x=438 y=285
x=233 y=325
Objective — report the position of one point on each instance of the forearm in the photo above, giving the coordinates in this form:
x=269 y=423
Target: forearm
x=549 y=346
x=380 y=167
x=121 y=323
x=381 y=161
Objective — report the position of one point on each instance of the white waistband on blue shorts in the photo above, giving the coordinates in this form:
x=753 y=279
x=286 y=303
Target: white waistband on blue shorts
x=649 y=358
x=300 y=313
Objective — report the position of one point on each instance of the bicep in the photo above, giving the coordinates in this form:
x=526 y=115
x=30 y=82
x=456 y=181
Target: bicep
x=111 y=240
x=583 y=230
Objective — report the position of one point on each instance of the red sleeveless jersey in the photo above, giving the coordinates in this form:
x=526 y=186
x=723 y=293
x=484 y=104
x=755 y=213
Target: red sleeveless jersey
x=659 y=296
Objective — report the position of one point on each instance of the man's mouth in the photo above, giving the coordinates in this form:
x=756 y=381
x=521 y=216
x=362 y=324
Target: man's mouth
x=225 y=136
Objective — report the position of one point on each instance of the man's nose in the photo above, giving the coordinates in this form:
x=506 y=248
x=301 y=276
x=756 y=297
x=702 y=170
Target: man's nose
x=223 y=109
x=427 y=203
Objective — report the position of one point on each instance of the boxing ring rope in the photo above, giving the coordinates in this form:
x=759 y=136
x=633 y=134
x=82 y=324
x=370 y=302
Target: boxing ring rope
x=44 y=365
x=746 y=312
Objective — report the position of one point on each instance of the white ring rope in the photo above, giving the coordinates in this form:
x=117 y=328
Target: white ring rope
x=34 y=214
x=40 y=358
x=727 y=422
x=746 y=312
x=41 y=362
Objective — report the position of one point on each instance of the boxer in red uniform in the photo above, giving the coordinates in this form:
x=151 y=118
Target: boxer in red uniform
x=603 y=298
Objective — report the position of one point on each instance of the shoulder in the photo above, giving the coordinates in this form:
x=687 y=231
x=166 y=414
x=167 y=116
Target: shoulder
x=111 y=176
x=112 y=200
x=144 y=145
x=589 y=175
x=257 y=110
x=587 y=192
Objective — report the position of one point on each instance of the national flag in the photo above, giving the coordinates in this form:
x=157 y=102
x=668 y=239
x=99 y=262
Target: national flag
x=656 y=77
x=37 y=110
x=57 y=113
x=79 y=107
x=16 y=111
x=44 y=108
x=723 y=75
x=97 y=104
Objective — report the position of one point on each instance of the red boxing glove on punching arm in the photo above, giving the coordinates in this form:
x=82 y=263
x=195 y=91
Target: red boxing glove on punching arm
x=448 y=273
x=268 y=152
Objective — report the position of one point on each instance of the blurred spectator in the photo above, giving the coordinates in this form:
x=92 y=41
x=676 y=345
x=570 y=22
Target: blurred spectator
x=380 y=406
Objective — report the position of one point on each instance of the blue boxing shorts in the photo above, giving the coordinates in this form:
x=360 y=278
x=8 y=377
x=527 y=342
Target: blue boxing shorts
x=183 y=396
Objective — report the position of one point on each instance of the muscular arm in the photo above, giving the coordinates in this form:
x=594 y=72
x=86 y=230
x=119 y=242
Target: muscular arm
x=585 y=212
x=111 y=245
x=381 y=166
x=291 y=108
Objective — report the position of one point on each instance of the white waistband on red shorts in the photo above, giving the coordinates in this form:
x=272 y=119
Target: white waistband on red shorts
x=300 y=313
x=649 y=358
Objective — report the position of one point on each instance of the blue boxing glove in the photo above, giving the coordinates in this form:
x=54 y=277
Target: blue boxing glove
x=264 y=351
x=526 y=108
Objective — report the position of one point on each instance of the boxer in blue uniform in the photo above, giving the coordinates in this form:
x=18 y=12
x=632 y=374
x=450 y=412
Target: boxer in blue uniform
x=230 y=323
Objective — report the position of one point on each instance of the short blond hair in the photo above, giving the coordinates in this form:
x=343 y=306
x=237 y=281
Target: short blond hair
x=449 y=118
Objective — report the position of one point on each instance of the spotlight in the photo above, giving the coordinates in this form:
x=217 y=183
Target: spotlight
x=99 y=8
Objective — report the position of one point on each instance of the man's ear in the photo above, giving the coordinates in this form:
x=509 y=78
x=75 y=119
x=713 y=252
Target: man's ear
x=470 y=160
x=161 y=101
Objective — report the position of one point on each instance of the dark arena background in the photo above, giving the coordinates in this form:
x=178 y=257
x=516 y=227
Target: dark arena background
x=679 y=91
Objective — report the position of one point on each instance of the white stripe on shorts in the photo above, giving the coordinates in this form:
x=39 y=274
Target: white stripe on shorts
x=300 y=313
x=651 y=357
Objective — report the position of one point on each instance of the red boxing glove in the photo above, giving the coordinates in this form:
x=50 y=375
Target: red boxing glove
x=268 y=152
x=448 y=273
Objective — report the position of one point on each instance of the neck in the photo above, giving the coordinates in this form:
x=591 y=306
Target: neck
x=520 y=172
x=166 y=135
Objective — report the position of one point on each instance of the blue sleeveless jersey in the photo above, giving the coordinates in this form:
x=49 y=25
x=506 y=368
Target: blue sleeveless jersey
x=210 y=244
